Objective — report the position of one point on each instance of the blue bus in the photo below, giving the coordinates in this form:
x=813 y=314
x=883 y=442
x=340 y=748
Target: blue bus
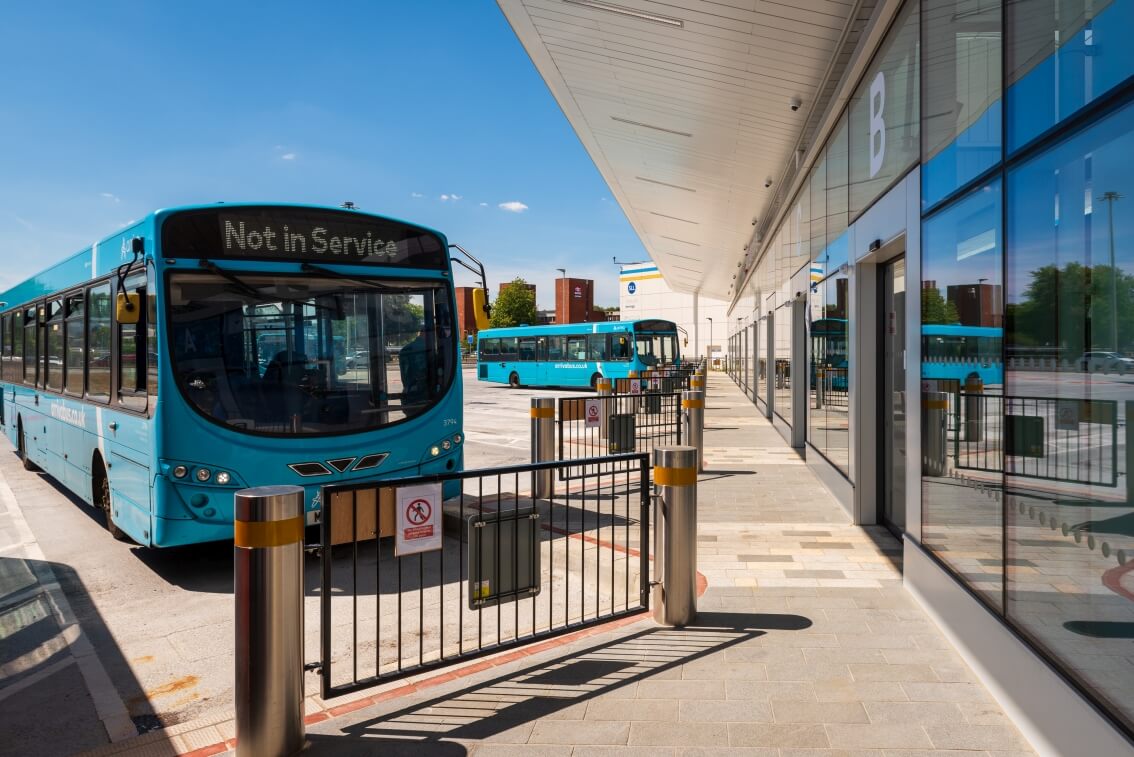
x=829 y=353
x=575 y=354
x=201 y=351
x=955 y=352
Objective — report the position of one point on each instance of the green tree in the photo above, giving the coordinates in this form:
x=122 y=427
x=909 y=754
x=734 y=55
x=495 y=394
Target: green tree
x=934 y=308
x=1073 y=308
x=514 y=305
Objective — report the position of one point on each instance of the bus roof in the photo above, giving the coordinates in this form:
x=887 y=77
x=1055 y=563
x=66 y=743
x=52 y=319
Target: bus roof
x=956 y=329
x=102 y=256
x=594 y=327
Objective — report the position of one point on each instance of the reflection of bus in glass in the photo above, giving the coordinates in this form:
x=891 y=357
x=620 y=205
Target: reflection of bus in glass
x=954 y=352
x=829 y=353
x=575 y=354
x=198 y=352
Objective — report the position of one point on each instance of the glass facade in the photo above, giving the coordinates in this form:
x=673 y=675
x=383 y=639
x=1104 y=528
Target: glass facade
x=1021 y=116
x=1069 y=520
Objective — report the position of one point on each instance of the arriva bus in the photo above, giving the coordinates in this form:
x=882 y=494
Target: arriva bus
x=200 y=351
x=575 y=354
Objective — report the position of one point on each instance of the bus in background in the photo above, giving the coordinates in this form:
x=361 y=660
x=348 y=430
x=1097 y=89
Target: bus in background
x=957 y=353
x=200 y=351
x=575 y=354
x=829 y=353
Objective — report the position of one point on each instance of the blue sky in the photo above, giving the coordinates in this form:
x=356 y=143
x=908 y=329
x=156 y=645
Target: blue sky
x=428 y=111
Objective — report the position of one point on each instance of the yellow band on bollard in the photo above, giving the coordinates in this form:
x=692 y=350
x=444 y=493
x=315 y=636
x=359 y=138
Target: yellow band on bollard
x=602 y=384
x=271 y=533
x=675 y=476
x=695 y=382
x=543 y=412
x=935 y=404
x=693 y=403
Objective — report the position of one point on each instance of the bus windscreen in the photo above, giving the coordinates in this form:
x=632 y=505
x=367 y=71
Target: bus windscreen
x=287 y=355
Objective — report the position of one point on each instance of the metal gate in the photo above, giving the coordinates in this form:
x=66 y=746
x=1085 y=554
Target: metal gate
x=510 y=568
x=1070 y=440
x=624 y=423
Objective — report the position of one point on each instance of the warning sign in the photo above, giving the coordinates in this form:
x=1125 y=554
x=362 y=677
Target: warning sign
x=419 y=519
x=592 y=412
x=1067 y=415
x=635 y=386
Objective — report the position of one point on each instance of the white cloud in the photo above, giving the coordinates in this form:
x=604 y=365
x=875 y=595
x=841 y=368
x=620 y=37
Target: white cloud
x=288 y=156
x=417 y=195
x=26 y=224
x=514 y=206
x=131 y=222
x=450 y=198
x=109 y=196
x=484 y=204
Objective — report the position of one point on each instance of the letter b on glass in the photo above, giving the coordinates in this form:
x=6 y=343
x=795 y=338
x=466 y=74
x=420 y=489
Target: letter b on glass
x=877 y=124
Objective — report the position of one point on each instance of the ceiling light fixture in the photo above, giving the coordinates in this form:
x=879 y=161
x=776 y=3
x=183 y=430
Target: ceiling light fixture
x=675 y=239
x=665 y=184
x=650 y=126
x=620 y=10
x=674 y=218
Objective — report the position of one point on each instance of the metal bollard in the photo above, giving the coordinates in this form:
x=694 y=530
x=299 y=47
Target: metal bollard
x=697 y=383
x=604 y=394
x=268 y=582
x=543 y=443
x=675 y=536
x=820 y=388
x=974 y=409
x=934 y=412
x=693 y=420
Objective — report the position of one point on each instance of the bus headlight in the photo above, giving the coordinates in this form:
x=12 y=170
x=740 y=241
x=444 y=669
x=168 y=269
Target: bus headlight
x=204 y=474
x=180 y=471
x=446 y=445
x=456 y=438
x=435 y=450
x=223 y=478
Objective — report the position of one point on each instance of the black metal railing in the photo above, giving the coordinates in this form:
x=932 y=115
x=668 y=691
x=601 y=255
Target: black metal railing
x=511 y=568
x=1056 y=439
x=623 y=423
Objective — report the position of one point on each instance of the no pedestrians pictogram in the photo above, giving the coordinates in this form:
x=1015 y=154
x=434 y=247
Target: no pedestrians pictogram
x=418 y=511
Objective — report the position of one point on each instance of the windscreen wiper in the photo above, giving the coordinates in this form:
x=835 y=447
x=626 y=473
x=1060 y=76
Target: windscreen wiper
x=311 y=268
x=232 y=278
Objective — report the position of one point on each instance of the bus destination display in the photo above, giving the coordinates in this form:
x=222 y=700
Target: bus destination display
x=300 y=235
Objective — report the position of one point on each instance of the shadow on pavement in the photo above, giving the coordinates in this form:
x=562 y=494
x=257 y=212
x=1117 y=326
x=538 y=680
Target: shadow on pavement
x=504 y=709
x=39 y=670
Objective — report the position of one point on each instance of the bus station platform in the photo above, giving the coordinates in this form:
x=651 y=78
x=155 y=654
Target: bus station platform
x=806 y=643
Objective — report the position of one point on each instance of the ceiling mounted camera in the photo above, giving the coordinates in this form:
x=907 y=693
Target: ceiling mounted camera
x=796 y=103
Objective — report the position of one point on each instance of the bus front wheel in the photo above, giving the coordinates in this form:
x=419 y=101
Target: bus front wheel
x=514 y=380
x=22 y=447
x=102 y=501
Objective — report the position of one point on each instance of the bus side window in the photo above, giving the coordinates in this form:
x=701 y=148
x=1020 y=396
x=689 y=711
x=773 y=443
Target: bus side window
x=527 y=348
x=53 y=348
x=576 y=348
x=619 y=347
x=596 y=347
x=555 y=348
x=151 y=341
x=508 y=349
x=98 y=343
x=5 y=345
x=131 y=362
x=16 y=372
x=74 y=350
x=31 y=343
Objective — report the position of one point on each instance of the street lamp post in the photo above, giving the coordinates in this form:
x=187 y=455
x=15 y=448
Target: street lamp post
x=980 y=301
x=1109 y=198
x=710 y=350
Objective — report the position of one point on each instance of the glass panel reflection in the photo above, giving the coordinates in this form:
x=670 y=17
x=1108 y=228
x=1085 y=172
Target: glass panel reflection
x=1070 y=381
x=962 y=383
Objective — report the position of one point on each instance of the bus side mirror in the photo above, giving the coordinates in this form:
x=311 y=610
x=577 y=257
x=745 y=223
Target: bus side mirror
x=480 y=308
x=128 y=308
